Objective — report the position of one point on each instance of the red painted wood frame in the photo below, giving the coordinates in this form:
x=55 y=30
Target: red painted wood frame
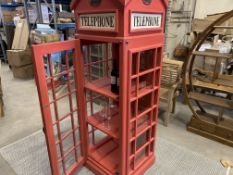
x=64 y=130
x=143 y=86
x=132 y=134
x=127 y=131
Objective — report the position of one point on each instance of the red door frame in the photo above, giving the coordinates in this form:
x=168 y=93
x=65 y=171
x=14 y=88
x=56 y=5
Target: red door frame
x=42 y=86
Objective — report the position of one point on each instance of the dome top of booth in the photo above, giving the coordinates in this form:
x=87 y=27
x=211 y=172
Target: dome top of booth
x=75 y=3
x=119 y=18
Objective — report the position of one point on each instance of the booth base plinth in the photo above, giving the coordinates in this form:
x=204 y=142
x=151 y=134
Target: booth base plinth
x=207 y=127
x=96 y=168
x=100 y=170
x=145 y=166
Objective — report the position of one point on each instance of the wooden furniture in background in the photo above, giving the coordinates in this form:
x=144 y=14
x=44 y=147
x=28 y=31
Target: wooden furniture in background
x=209 y=92
x=171 y=79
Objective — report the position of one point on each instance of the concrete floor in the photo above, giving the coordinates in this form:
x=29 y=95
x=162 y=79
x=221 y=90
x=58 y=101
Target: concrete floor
x=22 y=118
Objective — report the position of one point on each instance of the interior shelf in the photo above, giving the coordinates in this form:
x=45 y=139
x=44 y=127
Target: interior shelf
x=110 y=127
x=107 y=155
x=103 y=87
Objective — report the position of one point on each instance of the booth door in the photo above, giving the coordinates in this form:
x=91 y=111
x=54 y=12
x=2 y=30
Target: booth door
x=144 y=85
x=56 y=77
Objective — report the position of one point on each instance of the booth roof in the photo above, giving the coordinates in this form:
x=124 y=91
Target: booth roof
x=74 y=3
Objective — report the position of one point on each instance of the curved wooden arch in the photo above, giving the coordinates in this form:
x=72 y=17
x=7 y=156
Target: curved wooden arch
x=191 y=58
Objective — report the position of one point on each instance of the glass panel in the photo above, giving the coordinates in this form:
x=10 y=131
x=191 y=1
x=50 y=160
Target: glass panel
x=159 y=57
x=143 y=121
x=153 y=132
x=134 y=63
x=75 y=117
x=55 y=131
x=142 y=140
x=133 y=109
x=155 y=115
x=70 y=160
x=146 y=60
x=134 y=87
x=97 y=63
x=68 y=143
x=79 y=153
x=131 y=165
x=63 y=106
x=65 y=126
x=140 y=156
x=58 y=151
x=156 y=93
x=144 y=103
x=152 y=147
x=132 y=148
x=61 y=169
x=157 y=78
x=133 y=129
x=146 y=81
x=77 y=136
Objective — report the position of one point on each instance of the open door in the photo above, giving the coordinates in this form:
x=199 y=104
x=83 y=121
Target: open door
x=56 y=67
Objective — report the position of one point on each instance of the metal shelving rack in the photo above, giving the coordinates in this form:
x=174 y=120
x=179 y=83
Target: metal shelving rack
x=52 y=6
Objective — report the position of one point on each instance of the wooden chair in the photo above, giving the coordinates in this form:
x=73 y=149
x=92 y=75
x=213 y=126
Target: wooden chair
x=171 y=79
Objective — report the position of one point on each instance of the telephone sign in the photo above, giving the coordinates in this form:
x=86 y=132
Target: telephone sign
x=102 y=21
x=145 y=21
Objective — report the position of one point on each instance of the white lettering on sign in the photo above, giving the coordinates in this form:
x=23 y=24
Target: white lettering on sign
x=145 y=21
x=104 y=21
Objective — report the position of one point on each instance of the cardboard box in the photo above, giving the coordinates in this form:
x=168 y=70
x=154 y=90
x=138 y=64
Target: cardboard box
x=8 y=15
x=19 y=58
x=21 y=36
x=45 y=38
x=24 y=72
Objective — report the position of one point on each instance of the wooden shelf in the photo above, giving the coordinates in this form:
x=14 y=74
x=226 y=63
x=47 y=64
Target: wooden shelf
x=102 y=86
x=110 y=127
x=223 y=27
x=212 y=86
x=213 y=54
x=216 y=101
x=107 y=155
x=224 y=82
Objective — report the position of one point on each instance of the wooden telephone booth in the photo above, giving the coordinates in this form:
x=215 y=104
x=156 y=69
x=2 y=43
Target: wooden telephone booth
x=111 y=76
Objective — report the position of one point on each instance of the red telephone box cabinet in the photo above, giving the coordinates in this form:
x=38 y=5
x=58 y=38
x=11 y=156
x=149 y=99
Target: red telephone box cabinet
x=99 y=102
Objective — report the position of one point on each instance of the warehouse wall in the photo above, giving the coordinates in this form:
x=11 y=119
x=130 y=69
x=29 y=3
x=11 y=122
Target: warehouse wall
x=176 y=31
x=204 y=8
